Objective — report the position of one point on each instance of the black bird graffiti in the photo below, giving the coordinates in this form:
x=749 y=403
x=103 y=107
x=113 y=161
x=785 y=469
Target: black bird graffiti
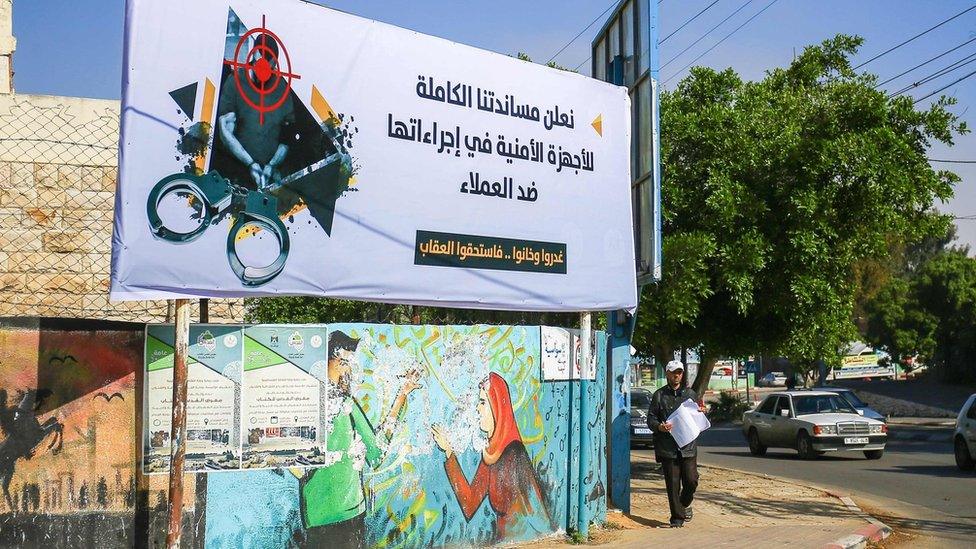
x=24 y=433
x=108 y=398
x=61 y=359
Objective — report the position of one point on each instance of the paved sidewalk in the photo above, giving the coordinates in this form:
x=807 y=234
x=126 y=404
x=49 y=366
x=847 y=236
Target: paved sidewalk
x=732 y=509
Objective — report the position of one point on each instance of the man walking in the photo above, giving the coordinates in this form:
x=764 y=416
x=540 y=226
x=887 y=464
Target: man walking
x=678 y=465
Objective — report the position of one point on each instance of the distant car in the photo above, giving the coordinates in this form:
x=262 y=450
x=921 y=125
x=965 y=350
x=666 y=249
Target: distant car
x=964 y=439
x=772 y=379
x=812 y=422
x=854 y=401
x=640 y=433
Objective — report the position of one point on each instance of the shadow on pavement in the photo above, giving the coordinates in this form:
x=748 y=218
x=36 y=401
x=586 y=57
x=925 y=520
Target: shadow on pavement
x=944 y=471
x=938 y=528
x=771 y=507
x=786 y=455
x=644 y=521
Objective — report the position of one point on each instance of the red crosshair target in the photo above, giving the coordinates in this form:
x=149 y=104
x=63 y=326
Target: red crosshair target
x=263 y=60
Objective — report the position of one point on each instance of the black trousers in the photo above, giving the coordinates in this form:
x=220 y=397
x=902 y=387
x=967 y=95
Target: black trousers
x=348 y=534
x=681 y=481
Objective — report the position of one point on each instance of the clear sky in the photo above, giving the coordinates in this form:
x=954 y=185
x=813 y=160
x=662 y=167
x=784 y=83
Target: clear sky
x=75 y=47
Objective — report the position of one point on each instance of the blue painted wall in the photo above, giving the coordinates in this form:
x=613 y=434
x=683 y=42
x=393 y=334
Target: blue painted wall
x=410 y=501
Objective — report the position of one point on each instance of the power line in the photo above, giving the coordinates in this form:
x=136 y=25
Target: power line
x=922 y=64
x=683 y=25
x=702 y=37
x=923 y=33
x=727 y=36
x=941 y=72
x=949 y=85
x=575 y=38
x=949 y=161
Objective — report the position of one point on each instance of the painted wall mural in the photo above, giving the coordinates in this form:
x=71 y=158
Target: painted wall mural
x=68 y=436
x=430 y=436
x=448 y=435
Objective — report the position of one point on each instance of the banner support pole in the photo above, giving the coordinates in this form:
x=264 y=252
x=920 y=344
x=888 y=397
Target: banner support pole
x=586 y=335
x=178 y=431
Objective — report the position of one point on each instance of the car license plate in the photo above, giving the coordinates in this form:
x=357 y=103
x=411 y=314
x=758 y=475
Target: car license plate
x=856 y=440
x=640 y=431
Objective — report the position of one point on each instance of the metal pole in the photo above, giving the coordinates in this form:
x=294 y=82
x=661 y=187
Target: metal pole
x=586 y=336
x=748 y=400
x=177 y=451
x=204 y=310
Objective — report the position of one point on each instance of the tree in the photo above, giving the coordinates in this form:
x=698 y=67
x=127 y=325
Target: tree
x=773 y=193
x=945 y=289
x=101 y=492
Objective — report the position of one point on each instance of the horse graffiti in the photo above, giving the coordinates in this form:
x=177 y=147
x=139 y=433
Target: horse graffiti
x=24 y=433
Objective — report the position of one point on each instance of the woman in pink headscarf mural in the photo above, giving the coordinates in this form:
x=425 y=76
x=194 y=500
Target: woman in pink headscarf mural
x=505 y=474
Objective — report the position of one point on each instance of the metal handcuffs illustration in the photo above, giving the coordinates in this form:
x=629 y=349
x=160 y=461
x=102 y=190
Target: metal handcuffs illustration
x=217 y=196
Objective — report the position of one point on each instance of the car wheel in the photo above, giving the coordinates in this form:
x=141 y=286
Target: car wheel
x=755 y=447
x=873 y=454
x=804 y=445
x=963 y=460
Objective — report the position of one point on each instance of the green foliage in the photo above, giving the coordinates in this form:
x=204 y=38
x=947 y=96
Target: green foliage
x=522 y=56
x=931 y=313
x=728 y=408
x=773 y=193
x=315 y=310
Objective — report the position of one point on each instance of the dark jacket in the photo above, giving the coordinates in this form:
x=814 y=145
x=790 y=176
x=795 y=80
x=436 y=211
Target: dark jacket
x=664 y=402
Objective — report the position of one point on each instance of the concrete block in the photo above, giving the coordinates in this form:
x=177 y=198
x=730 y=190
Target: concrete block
x=21 y=174
x=19 y=197
x=40 y=217
x=58 y=282
x=109 y=178
x=20 y=240
x=69 y=177
x=90 y=220
x=68 y=241
x=89 y=200
x=47 y=262
x=46 y=175
x=13 y=282
x=50 y=197
x=91 y=178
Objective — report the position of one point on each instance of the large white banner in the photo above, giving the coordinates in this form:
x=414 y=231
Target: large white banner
x=288 y=149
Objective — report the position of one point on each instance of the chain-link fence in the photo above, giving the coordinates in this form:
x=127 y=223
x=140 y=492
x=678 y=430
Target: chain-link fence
x=57 y=189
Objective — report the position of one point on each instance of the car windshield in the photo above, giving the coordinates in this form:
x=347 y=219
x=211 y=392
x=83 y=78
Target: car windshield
x=640 y=399
x=821 y=404
x=852 y=398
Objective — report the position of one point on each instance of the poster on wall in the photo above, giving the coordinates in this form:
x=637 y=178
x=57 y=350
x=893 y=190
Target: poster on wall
x=473 y=179
x=583 y=371
x=556 y=351
x=285 y=397
x=213 y=411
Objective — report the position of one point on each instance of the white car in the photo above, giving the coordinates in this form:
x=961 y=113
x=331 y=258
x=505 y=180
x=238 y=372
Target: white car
x=812 y=422
x=772 y=379
x=964 y=439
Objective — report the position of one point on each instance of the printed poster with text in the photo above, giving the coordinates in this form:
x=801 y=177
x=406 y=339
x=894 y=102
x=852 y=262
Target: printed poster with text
x=284 y=148
x=285 y=377
x=213 y=420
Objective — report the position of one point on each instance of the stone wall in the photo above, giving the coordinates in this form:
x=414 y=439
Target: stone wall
x=58 y=167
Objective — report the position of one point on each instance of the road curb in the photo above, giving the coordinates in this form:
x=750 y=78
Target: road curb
x=874 y=531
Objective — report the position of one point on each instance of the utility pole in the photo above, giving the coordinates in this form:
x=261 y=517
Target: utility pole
x=177 y=452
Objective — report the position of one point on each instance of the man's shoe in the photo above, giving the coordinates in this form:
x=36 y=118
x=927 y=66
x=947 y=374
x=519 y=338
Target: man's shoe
x=677 y=523
x=689 y=514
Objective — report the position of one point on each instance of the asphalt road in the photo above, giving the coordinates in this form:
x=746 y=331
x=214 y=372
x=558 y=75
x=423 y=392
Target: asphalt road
x=916 y=484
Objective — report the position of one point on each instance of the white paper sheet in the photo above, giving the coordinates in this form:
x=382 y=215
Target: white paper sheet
x=687 y=423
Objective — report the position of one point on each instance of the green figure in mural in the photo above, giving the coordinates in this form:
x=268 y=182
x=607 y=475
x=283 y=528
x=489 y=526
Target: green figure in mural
x=333 y=499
